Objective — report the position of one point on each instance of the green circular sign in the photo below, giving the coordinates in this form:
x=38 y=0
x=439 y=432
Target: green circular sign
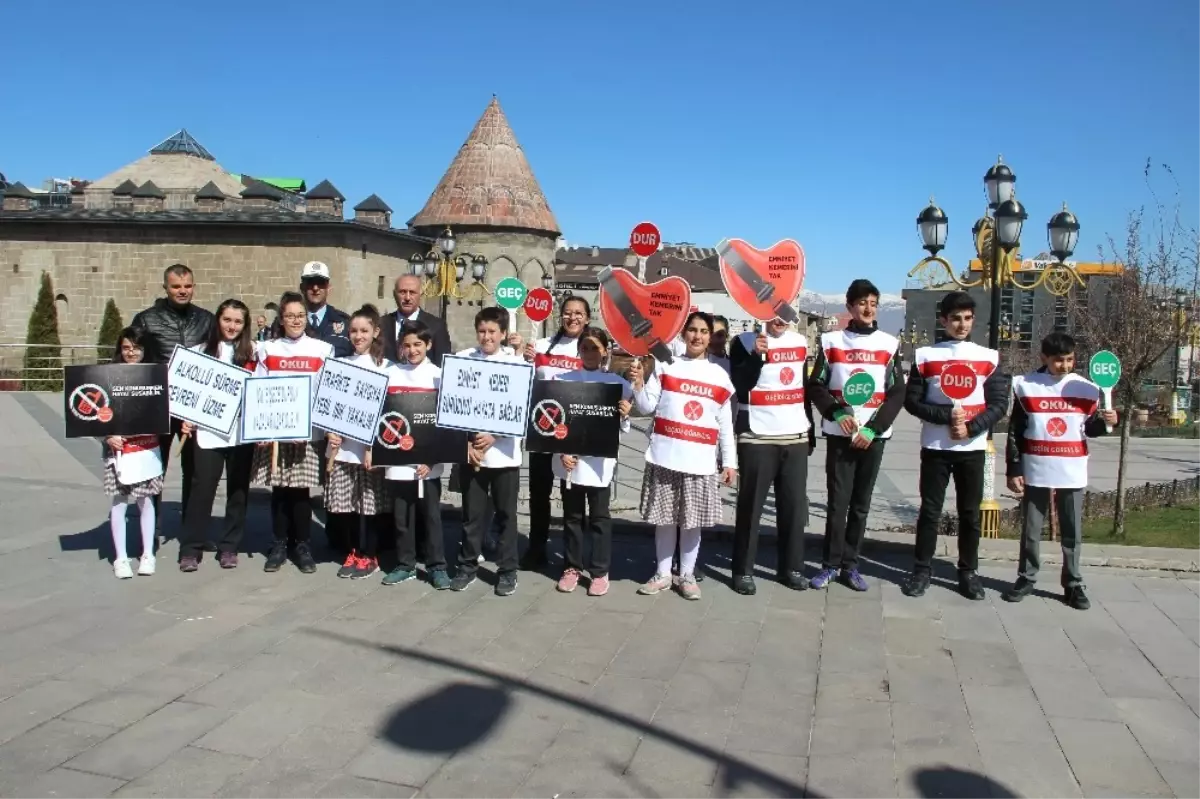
x=1105 y=369
x=858 y=389
x=510 y=293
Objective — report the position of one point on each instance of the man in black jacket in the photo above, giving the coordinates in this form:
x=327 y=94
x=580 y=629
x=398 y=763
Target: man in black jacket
x=324 y=321
x=174 y=320
x=953 y=440
x=407 y=293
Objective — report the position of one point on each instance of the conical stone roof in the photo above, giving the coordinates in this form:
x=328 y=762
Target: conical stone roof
x=489 y=183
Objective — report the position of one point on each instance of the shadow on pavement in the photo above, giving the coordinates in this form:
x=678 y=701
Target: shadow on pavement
x=947 y=781
x=449 y=719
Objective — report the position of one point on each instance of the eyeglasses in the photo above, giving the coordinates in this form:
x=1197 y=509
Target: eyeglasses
x=575 y=314
x=294 y=317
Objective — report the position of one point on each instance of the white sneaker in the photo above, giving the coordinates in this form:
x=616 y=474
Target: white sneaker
x=146 y=567
x=122 y=568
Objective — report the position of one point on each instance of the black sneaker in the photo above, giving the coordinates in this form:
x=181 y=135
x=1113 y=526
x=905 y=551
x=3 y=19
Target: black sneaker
x=970 y=587
x=304 y=559
x=462 y=581
x=1076 y=598
x=506 y=583
x=276 y=557
x=744 y=585
x=916 y=585
x=1021 y=589
x=794 y=581
x=534 y=559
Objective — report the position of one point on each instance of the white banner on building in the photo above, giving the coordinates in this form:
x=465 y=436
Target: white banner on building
x=277 y=408
x=349 y=400
x=485 y=396
x=204 y=390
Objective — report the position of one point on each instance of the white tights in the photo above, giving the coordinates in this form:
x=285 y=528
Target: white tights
x=116 y=520
x=689 y=548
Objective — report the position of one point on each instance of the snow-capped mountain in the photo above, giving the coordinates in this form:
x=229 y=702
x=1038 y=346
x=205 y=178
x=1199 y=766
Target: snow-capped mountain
x=891 y=308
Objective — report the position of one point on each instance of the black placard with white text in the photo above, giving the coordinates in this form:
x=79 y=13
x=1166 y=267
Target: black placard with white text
x=116 y=399
x=572 y=418
x=408 y=435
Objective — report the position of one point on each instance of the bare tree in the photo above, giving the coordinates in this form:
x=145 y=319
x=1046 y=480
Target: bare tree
x=1136 y=317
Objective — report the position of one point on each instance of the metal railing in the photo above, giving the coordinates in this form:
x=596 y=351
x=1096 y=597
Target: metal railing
x=14 y=376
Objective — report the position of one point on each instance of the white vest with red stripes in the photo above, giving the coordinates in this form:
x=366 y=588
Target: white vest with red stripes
x=402 y=378
x=550 y=362
x=776 y=403
x=931 y=361
x=304 y=355
x=139 y=460
x=848 y=353
x=1054 y=451
x=687 y=428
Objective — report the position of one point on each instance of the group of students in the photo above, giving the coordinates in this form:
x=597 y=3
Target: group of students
x=711 y=414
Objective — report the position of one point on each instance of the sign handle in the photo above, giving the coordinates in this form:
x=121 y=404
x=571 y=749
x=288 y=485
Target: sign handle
x=274 y=459
x=420 y=488
x=329 y=459
x=641 y=262
x=1106 y=393
x=568 y=479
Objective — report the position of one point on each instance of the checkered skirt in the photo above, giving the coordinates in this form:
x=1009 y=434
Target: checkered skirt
x=113 y=488
x=353 y=489
x=299 y=466
x=687 y=500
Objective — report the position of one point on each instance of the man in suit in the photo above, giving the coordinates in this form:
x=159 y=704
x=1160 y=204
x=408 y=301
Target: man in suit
x=408 y=304
x=324 y=321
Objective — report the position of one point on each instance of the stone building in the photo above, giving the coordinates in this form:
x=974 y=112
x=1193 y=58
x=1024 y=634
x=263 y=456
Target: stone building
x=249 y=240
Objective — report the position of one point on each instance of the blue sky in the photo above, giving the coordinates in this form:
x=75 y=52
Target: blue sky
x=830 y=123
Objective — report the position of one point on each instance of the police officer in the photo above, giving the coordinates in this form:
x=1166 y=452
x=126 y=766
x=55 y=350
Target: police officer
x=324 y=321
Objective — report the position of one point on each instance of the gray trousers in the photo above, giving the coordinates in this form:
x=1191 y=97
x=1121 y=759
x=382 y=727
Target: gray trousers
x=1068 y=502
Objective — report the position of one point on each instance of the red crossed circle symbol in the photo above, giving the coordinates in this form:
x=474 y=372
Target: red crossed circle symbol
x=693 y=410
x=786 y=375
x=1056 y=427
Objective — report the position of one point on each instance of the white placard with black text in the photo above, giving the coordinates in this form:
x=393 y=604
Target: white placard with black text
x=277 y=408
x=349 y=400
x=483 y=396
x=204 y=390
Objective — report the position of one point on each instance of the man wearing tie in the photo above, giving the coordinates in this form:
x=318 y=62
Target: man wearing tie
x=324 y=321
x=408 y=304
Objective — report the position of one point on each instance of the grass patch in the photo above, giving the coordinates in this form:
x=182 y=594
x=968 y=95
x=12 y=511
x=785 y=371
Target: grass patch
x=1176 y=527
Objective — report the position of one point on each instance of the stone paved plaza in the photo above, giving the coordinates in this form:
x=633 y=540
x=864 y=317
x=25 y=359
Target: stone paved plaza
x=248 y=684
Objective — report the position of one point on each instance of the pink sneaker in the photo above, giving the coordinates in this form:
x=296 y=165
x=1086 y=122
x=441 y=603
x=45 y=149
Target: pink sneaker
x=569 y=580
x=598 y=586
x=688 y=589
x=657 y=583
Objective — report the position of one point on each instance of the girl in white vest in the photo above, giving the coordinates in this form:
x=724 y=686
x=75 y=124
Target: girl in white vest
x=1054 y=414
x=356 y=499
x=690 y=401
x=299 y=463
x=133 y=469
x=229 y=341
x=590 y=478
x=416 y=490
x=550 y=357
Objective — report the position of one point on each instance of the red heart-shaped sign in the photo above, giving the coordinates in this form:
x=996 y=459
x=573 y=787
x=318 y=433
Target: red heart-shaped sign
x=764 y=283
x=640 y=316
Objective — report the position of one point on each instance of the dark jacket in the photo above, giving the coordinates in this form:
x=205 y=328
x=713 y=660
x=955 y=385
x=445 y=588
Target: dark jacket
x=1094 y=427
x=744 y=369
x=335 y=331
x=996 y=391
x=817 y=388
x=168 y=326
x=437 y=328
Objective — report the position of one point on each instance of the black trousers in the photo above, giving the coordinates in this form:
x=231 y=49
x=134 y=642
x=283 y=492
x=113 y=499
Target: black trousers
x=587 y=506
x=937 y=467
x=541 y=484
x=291 y=515
x=187 y=460
x=850 y=481
x=412 y=513
x=208 y=464
x=353 y=531
x=477 y=485
x=762 y=466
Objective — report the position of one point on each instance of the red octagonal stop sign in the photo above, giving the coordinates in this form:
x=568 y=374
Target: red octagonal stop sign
x=958 y=381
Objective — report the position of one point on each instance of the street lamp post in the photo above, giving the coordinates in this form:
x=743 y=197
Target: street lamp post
x=443 y=272
x=1177 y=350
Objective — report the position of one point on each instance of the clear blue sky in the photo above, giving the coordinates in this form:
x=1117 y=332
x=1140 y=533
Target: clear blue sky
x=830 y=123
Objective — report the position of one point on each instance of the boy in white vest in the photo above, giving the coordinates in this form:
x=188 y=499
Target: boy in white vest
x=953 y=440
x=854 y=436
x=1054 y=414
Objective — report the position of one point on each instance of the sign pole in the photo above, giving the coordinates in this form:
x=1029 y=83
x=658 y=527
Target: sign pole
x=641 y=262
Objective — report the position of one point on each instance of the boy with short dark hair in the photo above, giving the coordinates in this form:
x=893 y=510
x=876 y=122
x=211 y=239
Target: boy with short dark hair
x=493 y=470
x=1055 y=412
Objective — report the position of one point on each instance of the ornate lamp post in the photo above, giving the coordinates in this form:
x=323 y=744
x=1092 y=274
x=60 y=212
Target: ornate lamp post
x=443 y=272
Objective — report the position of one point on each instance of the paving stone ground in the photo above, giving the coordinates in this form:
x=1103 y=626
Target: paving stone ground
x=248 y=684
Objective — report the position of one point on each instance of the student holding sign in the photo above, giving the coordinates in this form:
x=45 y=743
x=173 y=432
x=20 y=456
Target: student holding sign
x=133 y=469
x=292 y=468
x=857 y=385
x=1055 y=412
x=229 y=341
x=356 y=499
x=958 y=391
x=690 y=401
x=550 y=357
x=587 y=481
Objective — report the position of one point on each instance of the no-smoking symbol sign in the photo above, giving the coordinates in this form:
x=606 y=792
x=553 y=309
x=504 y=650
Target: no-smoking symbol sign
x=1056 y=426
x=786 y=375
x=693 y=410
x=394 y=432
x=90 y=402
